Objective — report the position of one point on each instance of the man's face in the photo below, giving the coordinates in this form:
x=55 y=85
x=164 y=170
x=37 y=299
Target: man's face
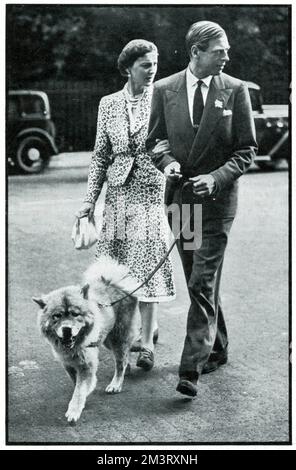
x=213 y=60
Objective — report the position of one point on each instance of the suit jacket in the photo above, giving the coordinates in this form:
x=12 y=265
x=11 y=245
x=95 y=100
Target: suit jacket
x=117 y=142
x=225 y=142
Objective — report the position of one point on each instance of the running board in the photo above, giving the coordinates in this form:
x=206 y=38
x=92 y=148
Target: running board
x=263 y=158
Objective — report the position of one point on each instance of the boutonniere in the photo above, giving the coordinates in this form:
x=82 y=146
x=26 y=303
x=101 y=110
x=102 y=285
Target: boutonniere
x=218 y=104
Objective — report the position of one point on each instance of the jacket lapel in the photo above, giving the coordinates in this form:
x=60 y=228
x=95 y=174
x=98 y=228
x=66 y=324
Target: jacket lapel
x=121 y=114
x=216 y=102
x=177 y=101
x=142 y=117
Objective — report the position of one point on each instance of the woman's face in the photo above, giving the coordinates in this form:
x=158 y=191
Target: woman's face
x=143 y=71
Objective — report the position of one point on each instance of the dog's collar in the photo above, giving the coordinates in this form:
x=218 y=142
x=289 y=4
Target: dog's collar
x=94 y=344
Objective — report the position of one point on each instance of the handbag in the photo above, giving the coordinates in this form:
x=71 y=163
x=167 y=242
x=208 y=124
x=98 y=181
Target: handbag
x=84 y=233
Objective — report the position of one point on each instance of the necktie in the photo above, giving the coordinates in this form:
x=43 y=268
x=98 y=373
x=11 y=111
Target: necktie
x=198 y=105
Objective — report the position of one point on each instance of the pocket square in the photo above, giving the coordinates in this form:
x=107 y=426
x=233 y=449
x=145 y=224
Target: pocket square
x=227 y=112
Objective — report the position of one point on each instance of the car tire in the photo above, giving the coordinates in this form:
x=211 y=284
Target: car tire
x=32 y=155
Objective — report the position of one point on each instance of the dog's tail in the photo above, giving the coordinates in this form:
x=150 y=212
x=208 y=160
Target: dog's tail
x=106 y=272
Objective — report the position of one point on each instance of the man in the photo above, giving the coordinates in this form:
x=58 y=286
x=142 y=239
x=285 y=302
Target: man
x=206 y=117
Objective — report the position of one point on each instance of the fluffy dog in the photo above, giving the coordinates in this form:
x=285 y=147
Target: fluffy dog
x=76 y=321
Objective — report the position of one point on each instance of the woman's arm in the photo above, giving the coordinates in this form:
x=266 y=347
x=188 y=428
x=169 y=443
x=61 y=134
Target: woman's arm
x=100 y=157
x=157 y=132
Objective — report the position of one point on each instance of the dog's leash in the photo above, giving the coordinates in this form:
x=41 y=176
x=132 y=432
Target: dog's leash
x=158 y=266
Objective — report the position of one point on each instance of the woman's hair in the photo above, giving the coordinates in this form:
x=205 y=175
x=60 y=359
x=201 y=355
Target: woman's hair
x=132 y=51
x=201 y=33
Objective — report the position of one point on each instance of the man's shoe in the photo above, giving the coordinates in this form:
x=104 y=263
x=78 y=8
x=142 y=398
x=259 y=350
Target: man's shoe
x=186 y=387
x=137 y=345
x=215 y=360
x=145 y=359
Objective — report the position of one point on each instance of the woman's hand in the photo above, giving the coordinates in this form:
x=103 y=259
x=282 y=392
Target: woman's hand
x=87 y=209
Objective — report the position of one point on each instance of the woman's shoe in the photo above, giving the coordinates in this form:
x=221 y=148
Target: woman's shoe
x=137 y=345
x=145 y=359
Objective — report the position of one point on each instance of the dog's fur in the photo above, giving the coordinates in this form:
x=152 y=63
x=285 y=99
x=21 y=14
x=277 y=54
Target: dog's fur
x=74 y=322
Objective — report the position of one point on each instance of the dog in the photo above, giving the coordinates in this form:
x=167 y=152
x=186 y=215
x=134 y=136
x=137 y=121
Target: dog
x=76 y=320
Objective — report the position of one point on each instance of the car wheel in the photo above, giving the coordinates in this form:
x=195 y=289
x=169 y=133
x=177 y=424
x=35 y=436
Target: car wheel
x=32 y=155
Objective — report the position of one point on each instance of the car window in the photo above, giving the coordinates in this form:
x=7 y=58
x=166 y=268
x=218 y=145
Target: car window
x=32 y=104
x=13 y=107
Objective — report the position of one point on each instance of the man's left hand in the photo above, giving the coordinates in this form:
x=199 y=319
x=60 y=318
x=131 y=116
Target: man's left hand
x=203 y=185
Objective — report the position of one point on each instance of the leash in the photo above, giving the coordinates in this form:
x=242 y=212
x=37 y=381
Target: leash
x=94 y=344
x=158 y=266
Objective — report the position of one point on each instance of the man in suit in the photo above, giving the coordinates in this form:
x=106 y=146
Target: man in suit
x=206 y=117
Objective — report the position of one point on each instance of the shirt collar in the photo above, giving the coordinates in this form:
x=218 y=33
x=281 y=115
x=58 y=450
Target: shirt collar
x=192 y=79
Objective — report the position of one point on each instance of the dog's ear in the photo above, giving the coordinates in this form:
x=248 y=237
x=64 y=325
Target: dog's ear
x=39 y=301
x=105 y=281
x=84 y=291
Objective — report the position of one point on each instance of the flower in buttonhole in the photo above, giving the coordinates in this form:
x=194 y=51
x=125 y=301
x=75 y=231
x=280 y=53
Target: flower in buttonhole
x=218 y=104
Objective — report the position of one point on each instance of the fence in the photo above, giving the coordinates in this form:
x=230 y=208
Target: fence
x=74 y=107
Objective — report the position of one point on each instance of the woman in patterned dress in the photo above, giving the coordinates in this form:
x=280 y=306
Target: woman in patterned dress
x=134 y=228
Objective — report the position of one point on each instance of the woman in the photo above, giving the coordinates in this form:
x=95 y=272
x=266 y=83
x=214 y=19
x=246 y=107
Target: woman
x=134 y=229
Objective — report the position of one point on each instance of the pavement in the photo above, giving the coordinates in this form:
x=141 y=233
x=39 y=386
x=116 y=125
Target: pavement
x=70 y=160
x=244 y=402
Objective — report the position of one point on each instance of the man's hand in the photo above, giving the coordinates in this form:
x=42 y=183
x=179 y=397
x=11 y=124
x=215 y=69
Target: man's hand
x=203 y=185
x=170 y=171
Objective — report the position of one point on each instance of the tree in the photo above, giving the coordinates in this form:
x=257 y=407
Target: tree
x=83 y=42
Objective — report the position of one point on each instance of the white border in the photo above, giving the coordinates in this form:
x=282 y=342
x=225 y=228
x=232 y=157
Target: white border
x=101 y=448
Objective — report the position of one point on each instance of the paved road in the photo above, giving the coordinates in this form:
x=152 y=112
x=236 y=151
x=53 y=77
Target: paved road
x=245 y=401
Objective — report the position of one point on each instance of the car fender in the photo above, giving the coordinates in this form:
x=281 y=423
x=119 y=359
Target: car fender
x=39 y=132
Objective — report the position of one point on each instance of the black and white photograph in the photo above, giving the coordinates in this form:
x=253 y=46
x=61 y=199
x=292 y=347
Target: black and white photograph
x=148 y=225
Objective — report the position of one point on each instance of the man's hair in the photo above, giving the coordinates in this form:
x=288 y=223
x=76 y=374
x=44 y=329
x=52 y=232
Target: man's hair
x=132 y=51
x=201 y=33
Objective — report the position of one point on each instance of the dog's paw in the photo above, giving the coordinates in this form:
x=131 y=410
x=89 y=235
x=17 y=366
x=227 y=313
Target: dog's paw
x=73 y=414
x=113 y=387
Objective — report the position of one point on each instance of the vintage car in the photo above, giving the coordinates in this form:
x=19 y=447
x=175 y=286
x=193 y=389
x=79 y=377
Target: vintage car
x=272 y=129
x=30 y=131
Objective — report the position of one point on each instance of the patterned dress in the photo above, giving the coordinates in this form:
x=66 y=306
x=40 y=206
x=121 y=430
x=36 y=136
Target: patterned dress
x=134 y=229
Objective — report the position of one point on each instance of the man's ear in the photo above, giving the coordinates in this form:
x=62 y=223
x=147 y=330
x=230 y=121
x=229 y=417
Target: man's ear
x=84 y=291
x=194 y=51
x=39 y=301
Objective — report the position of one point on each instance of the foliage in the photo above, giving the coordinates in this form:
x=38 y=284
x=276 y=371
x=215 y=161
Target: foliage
x=83 y=42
